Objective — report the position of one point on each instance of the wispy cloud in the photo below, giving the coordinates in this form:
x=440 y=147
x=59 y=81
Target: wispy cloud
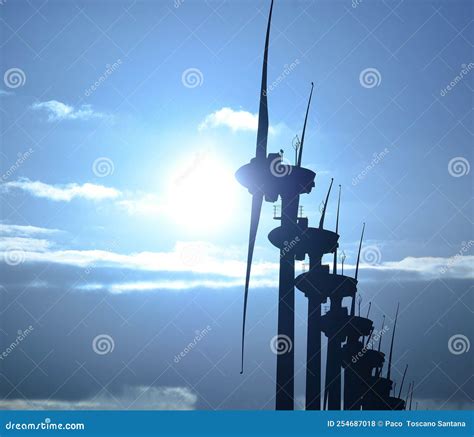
x=60 y=111
x=190 y=257
x=236 y=120
x=198 y=264
x=432 y=267
x=426 y=268
x=133 y=203
x=143 y=204
x=25 y=231
x=131 y=398
x=205 y=265
x=24 y=244
x=64 y=193
x=177 y=285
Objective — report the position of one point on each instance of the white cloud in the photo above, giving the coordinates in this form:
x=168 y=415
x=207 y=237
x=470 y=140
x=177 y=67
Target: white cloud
x=459 y=267
x=210 y=266
x=236 y=120
x=5 y=93
x=191 y=257
x=24 y=244
x=146 y=204
x=25 y=231
x=65 y=192
x=60 y=111
x=131 y=398
x=178 y=285
x=133 y=203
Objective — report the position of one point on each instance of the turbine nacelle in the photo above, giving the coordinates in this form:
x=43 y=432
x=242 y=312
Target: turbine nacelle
x=273 y=177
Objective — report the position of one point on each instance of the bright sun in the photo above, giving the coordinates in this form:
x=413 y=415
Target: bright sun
x=202 y=193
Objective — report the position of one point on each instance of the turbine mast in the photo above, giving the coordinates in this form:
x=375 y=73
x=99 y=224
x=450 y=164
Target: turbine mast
x=381 y=332
x=334 y=267
x=403 y=380
x=411 y=396
x=389 y=370
x=300 y=151
x=357 y=268
x=323 y=214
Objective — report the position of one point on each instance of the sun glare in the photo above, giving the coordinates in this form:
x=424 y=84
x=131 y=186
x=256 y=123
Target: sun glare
x=202 y=193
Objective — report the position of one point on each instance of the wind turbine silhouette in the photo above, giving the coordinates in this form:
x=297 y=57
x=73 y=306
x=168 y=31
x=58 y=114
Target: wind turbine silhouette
x=269 y=177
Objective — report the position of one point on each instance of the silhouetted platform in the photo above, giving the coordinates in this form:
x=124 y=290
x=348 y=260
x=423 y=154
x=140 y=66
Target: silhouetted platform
x=318 y=283
x=343 y=325
x=312 y=241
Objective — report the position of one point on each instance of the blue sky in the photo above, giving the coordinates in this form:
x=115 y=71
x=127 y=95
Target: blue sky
x=118 y=120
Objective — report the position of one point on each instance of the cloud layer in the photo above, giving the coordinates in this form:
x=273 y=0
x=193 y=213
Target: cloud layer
x=235 y=120
x=192 y=264
x=57 y=111
x=65 y=192
x=132 y=398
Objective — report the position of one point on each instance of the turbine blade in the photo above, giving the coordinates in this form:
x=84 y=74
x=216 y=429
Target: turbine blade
x=262 y=131
x=257 y=201
x=300 y=154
